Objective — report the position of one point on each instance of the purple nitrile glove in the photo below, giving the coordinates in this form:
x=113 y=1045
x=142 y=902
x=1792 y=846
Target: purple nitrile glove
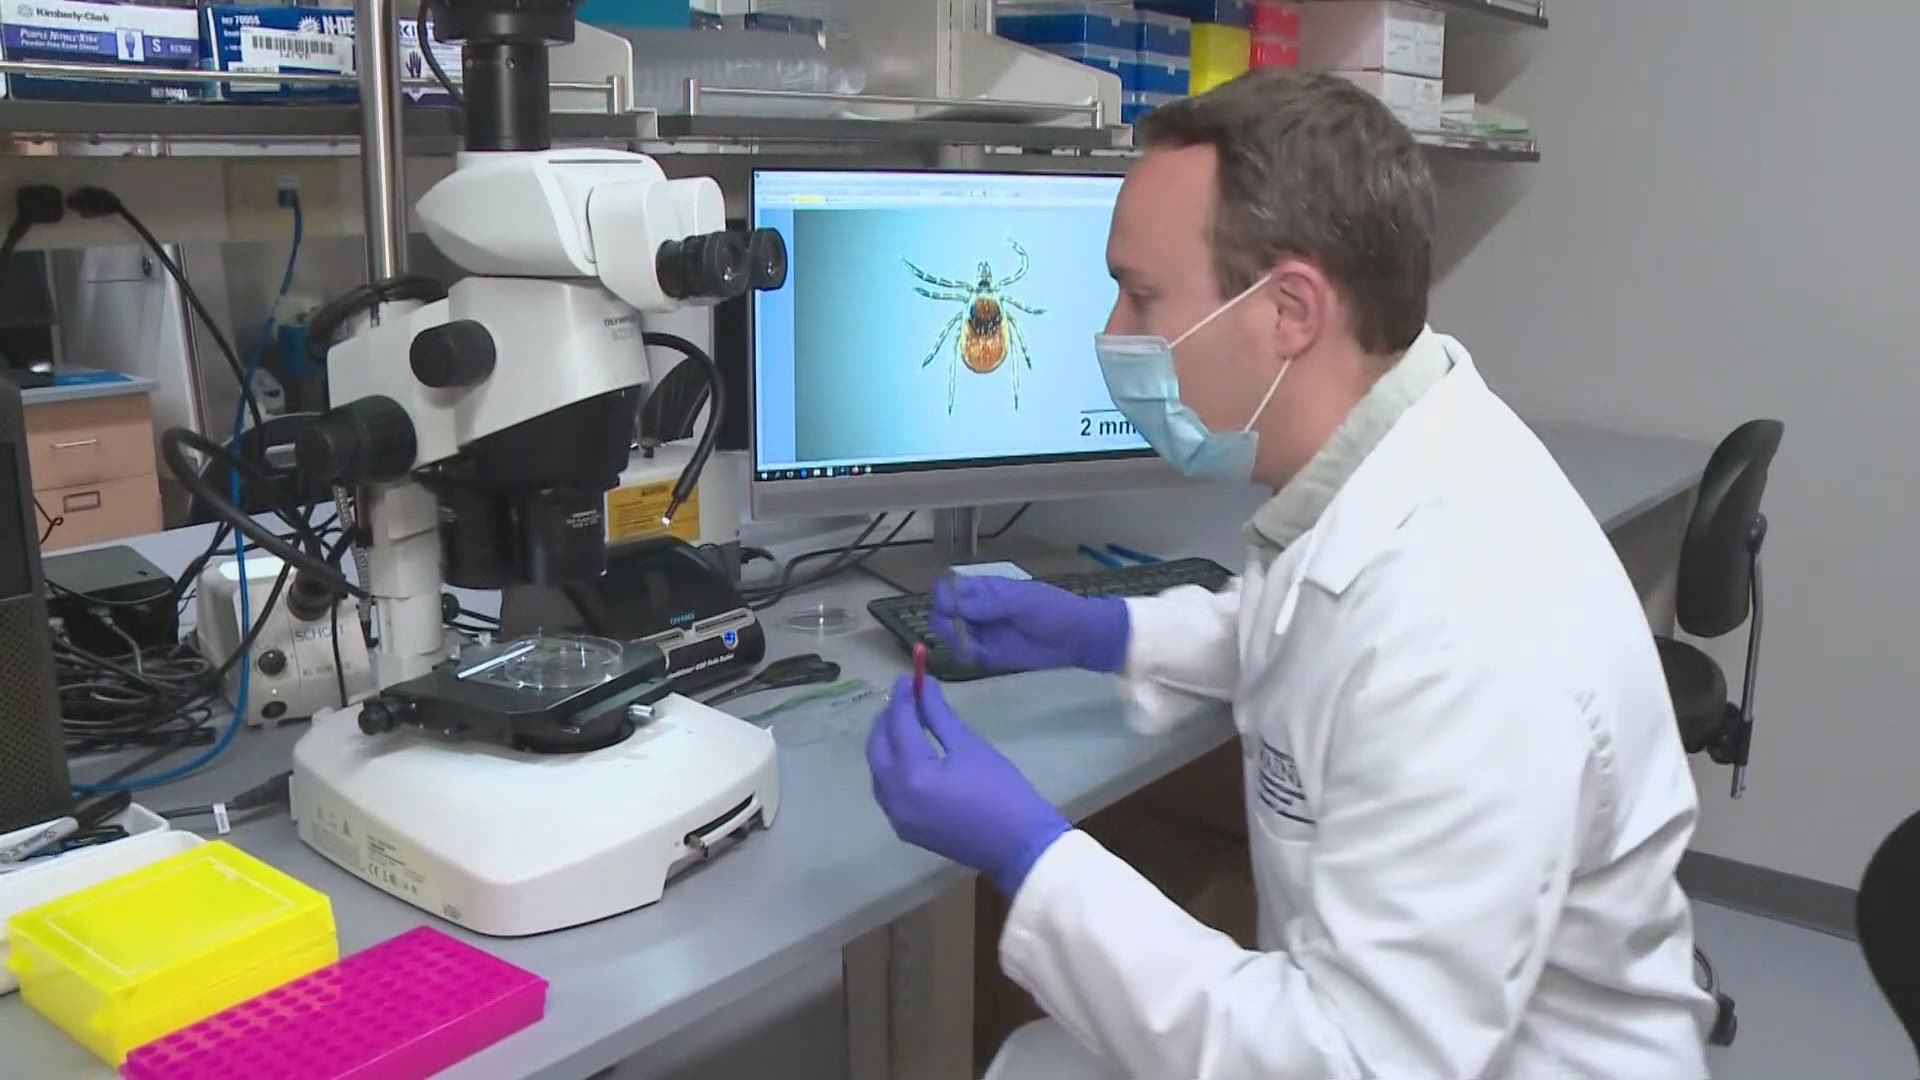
x=1009 y=625
x=970 y=804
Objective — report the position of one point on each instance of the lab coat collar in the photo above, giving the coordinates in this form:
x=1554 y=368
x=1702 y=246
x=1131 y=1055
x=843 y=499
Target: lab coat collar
x=1297 y=506
x=1406 y=468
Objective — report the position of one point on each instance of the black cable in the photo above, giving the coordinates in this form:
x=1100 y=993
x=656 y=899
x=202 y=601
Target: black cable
x=752 y=592
x=821 y=553
x=52 y=522
x=92 y=202
x=271 y=792
x=339 y=668
x=174 y=717
x=333 y=314
x=716 y=408
x=853 y=557
x=433 y=62
x=165 y=702
x=173 y=446
x=1009 y=523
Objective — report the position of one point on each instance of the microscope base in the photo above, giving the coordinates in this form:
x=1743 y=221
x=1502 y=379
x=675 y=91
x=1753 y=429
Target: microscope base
x=508 y=843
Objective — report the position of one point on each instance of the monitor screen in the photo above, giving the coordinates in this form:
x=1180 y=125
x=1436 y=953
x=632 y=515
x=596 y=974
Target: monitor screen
x=933 y=321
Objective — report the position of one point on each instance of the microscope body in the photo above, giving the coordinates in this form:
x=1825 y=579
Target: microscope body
x=520 y=387
x=472 y=440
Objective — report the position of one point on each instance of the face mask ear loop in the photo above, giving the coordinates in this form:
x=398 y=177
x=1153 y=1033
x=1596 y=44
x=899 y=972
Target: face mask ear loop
x=1255 y=418
x=1222 y=309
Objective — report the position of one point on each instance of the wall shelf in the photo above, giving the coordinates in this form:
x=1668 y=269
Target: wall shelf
x=757 y=129
x=207 y=128
x=1500 y=12
x=1467 y=148
x=213 y=129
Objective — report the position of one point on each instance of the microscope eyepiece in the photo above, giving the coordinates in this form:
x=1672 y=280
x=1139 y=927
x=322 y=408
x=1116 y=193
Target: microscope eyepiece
x=766 y=259
x=711 y=265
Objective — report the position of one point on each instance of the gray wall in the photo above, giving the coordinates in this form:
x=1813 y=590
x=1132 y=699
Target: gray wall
x=1724 y=228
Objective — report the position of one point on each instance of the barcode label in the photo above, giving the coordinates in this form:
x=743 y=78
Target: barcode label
x=263 y=48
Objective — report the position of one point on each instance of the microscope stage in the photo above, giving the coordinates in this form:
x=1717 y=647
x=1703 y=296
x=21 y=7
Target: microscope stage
x=509 y=843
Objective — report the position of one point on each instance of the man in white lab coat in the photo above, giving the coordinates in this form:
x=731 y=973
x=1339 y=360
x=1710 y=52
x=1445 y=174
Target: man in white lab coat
x=1465 y=791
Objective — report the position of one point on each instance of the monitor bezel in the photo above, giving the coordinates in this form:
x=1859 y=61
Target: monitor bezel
x=946 y=483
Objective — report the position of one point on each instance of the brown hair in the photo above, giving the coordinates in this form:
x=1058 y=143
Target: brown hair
x=1314 y=167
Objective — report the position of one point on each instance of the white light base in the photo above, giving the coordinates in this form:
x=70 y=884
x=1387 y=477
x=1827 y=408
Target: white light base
x=508 y=843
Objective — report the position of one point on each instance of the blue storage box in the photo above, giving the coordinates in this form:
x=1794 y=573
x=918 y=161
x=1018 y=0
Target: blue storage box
x=1136 y=104
x=1076 y=22
x=118 y=35
x=1224 y=12
x=676 y=14
x=784 y=24
x=1161 y=75
x=1168 y=35
x=1118 y=62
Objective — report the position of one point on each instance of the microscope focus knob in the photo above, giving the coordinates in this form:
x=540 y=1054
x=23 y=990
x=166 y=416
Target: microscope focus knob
x=368 y=439
x=379 y=715
x=452 y=355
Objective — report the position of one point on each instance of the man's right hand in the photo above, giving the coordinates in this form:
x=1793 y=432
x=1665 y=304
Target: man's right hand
x=1008 y=625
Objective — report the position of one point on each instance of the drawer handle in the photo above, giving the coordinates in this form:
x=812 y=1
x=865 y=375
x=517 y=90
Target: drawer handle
x=80 y=500
x=75 y=444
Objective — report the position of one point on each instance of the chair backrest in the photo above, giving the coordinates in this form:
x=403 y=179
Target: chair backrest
x=1715 y=561
x=1884 y=918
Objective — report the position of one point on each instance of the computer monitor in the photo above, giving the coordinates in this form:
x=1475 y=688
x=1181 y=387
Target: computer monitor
x=933 y=344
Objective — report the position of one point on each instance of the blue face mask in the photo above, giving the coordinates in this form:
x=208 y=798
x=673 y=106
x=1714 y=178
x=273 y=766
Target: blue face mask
x=1142 y=381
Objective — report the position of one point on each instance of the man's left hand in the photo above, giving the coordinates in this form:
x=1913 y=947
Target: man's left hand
x=969 y=804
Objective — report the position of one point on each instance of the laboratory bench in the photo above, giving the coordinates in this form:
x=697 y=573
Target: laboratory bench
x=829 y=872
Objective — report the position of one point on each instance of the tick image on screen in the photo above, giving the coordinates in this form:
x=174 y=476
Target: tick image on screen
x=988 y=328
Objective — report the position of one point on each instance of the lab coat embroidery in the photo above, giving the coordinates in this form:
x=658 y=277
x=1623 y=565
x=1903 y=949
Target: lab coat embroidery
x=1280 y=786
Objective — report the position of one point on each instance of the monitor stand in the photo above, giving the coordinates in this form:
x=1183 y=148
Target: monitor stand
x=957 y=542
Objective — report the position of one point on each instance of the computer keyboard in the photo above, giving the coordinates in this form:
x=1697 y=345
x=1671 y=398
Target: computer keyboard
x=907 y=617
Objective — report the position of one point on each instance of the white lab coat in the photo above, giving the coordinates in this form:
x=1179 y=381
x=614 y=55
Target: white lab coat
x=1465 y=790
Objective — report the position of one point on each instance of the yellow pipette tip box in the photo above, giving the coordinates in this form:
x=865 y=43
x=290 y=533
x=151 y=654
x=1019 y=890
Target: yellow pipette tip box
x=126 y=961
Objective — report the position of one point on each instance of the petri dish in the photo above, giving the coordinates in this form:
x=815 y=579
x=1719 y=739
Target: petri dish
x=826 y=620
x=548 y=662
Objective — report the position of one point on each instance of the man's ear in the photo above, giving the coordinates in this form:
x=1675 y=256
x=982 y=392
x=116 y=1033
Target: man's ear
x=1303 y=303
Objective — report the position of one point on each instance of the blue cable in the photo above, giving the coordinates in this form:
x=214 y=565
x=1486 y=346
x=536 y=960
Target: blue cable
x=225 y=738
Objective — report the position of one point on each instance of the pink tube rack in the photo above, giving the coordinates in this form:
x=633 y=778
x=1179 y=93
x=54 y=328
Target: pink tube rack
x=403 y=1009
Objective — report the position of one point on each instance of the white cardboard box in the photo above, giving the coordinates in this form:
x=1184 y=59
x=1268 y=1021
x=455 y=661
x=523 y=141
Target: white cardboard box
x=1373 y=35
x=1414 y=100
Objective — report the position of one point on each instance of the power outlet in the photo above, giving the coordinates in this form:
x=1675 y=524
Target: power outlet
x=254 y=201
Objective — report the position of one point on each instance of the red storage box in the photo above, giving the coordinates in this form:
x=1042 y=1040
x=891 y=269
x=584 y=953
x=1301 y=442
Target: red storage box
x=1270 y=52
x=1277 y=19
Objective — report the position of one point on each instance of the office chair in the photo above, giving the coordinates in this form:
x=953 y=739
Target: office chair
x=260 y=443
x=1889 y=935
x=1719 y=586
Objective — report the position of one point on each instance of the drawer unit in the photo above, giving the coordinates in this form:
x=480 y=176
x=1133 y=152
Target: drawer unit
x=81 y=442
x=104 y=510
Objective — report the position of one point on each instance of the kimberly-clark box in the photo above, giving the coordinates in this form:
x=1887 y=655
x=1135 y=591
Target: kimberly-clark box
x=1373 y=35
x=413 y=65
x=1414 y=100
x=280 y=41
x=79 y=32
